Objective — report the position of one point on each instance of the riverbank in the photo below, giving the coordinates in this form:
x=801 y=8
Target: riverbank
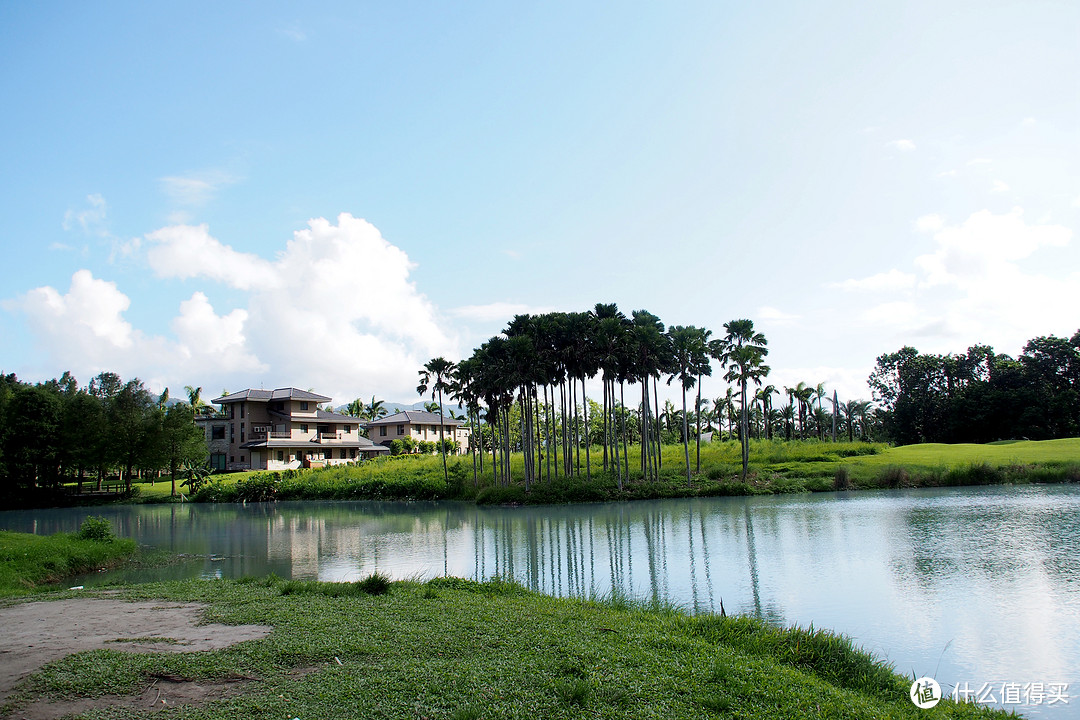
x=776 y=467
x=451 y=648
x=33 y=563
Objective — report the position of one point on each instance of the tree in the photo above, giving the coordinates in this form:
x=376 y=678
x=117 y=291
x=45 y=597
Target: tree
x=181 y=442
x=438 y=375
x=743 y=356
x=690 y=356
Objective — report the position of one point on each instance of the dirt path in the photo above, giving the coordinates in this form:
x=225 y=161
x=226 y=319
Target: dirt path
x=32 y=634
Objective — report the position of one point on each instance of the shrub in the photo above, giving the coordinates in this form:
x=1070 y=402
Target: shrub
x=374 y=584
x=96 y=528
x=842 y=478
x=894 y=477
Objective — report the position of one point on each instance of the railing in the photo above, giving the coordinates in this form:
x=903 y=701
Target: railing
x=324 y=436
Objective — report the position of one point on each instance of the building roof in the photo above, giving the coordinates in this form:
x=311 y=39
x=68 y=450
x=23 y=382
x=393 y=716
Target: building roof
x=414 y=417
x=289 y=393
x=359 y=442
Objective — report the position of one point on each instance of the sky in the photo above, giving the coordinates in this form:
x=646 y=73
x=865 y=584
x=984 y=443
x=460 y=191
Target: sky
x=257 y=194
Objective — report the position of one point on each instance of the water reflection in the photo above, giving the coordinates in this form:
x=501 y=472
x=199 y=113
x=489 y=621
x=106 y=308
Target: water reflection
x=980 y=584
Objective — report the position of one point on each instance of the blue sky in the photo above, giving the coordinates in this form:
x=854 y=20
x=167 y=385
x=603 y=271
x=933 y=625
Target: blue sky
x=262 y=194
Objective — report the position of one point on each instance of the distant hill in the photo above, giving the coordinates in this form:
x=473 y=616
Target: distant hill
x=393 y=407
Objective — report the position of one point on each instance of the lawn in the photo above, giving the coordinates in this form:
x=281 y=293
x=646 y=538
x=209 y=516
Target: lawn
x=458 y=650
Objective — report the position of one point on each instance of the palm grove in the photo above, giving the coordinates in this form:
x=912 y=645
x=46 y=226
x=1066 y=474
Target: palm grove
x=55 y=432
x=525 y=391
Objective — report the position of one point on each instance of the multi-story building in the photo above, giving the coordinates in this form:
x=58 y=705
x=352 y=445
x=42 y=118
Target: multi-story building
x=419 y=426
x=285 y=428
x=216 y=429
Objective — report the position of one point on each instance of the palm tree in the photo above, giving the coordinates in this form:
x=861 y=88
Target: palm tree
x=376 y=409
x=194 y=395
x=744 y=352
x=441 y=371
x=690 y=353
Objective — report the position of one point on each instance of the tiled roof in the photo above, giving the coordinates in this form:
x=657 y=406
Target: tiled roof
x=268 y=395
x=415 y=417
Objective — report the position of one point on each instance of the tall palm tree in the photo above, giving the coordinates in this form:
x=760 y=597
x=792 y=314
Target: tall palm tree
x=194 y=395
x=376 y=409
x=437 y=374
x=744 y=354
x=690 y=353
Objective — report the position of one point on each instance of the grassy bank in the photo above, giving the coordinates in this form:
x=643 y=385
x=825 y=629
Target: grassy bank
x=459 y=650
x=31 y=563
x=775 y=467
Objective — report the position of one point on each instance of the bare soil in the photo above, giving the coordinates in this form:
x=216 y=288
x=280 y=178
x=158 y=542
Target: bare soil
x=35 y=633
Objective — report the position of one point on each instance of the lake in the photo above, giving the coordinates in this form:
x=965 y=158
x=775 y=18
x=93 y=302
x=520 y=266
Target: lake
x=978 y=587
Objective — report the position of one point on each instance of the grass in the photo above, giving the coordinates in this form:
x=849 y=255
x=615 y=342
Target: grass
x=452 y=648
x=32 y=563
x=776 y=466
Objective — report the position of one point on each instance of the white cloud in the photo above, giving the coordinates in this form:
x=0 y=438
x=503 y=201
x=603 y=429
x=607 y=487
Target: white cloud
x=771 y=314
x=91 y=219
x=999 y=187
x=186 y=251
x=903 y=145
x=502 y=312
x=881 y=282
x=336 y=309
x=197 y=188
x=947 y=173
x=1028 y=121
x=974 y=287
x=979 y=161
x=1076 y=202
x=84 y=330
x=929 y=223
x=985 y=246
x=849 y=383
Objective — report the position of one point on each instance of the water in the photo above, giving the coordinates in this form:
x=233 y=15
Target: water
x=970 y=585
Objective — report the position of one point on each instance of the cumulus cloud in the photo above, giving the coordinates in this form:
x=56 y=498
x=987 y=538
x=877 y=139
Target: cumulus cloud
x=84 y=330
x=974 y=285
x=903 y=145
x=881 y=282
x=929 y=223
x=335 y=310
x=186 y=251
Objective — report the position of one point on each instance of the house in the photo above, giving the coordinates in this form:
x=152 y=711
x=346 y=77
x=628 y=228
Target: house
x=419 y=426
x=216 y=429
x=285 y=428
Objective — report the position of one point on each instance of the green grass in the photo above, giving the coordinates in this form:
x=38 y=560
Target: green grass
x=776 y=466
x=31 y=563
x=452 y=648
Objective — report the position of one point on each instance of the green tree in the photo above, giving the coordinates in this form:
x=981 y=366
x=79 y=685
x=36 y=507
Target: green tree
x=181 y=442
x=437 y=375
x=743 y=356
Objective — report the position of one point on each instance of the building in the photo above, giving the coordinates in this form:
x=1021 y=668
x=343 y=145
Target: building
x=285 y=428
x=216 y=429
x=419 y=426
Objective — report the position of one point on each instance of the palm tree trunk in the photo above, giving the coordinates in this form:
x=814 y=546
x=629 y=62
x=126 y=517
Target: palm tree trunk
x=685 y=433
x=588 y=440
x=622 y=424
x=698 y=470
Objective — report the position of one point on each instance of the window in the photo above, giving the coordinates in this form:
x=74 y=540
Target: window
x=352 y=453
x=303 y=427
x=241 y=430
x=241 y=411
x=281 y=455
x=400 y=429
x=217 y=432
x=348 y=429
x=241 y=458
x=382 y=431
x=343 y=456
x=217 y=461
x=232 y=433
x=303 y=406
x=232 y=458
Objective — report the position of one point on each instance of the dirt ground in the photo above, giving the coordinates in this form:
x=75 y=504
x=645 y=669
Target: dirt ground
x=35 y=633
